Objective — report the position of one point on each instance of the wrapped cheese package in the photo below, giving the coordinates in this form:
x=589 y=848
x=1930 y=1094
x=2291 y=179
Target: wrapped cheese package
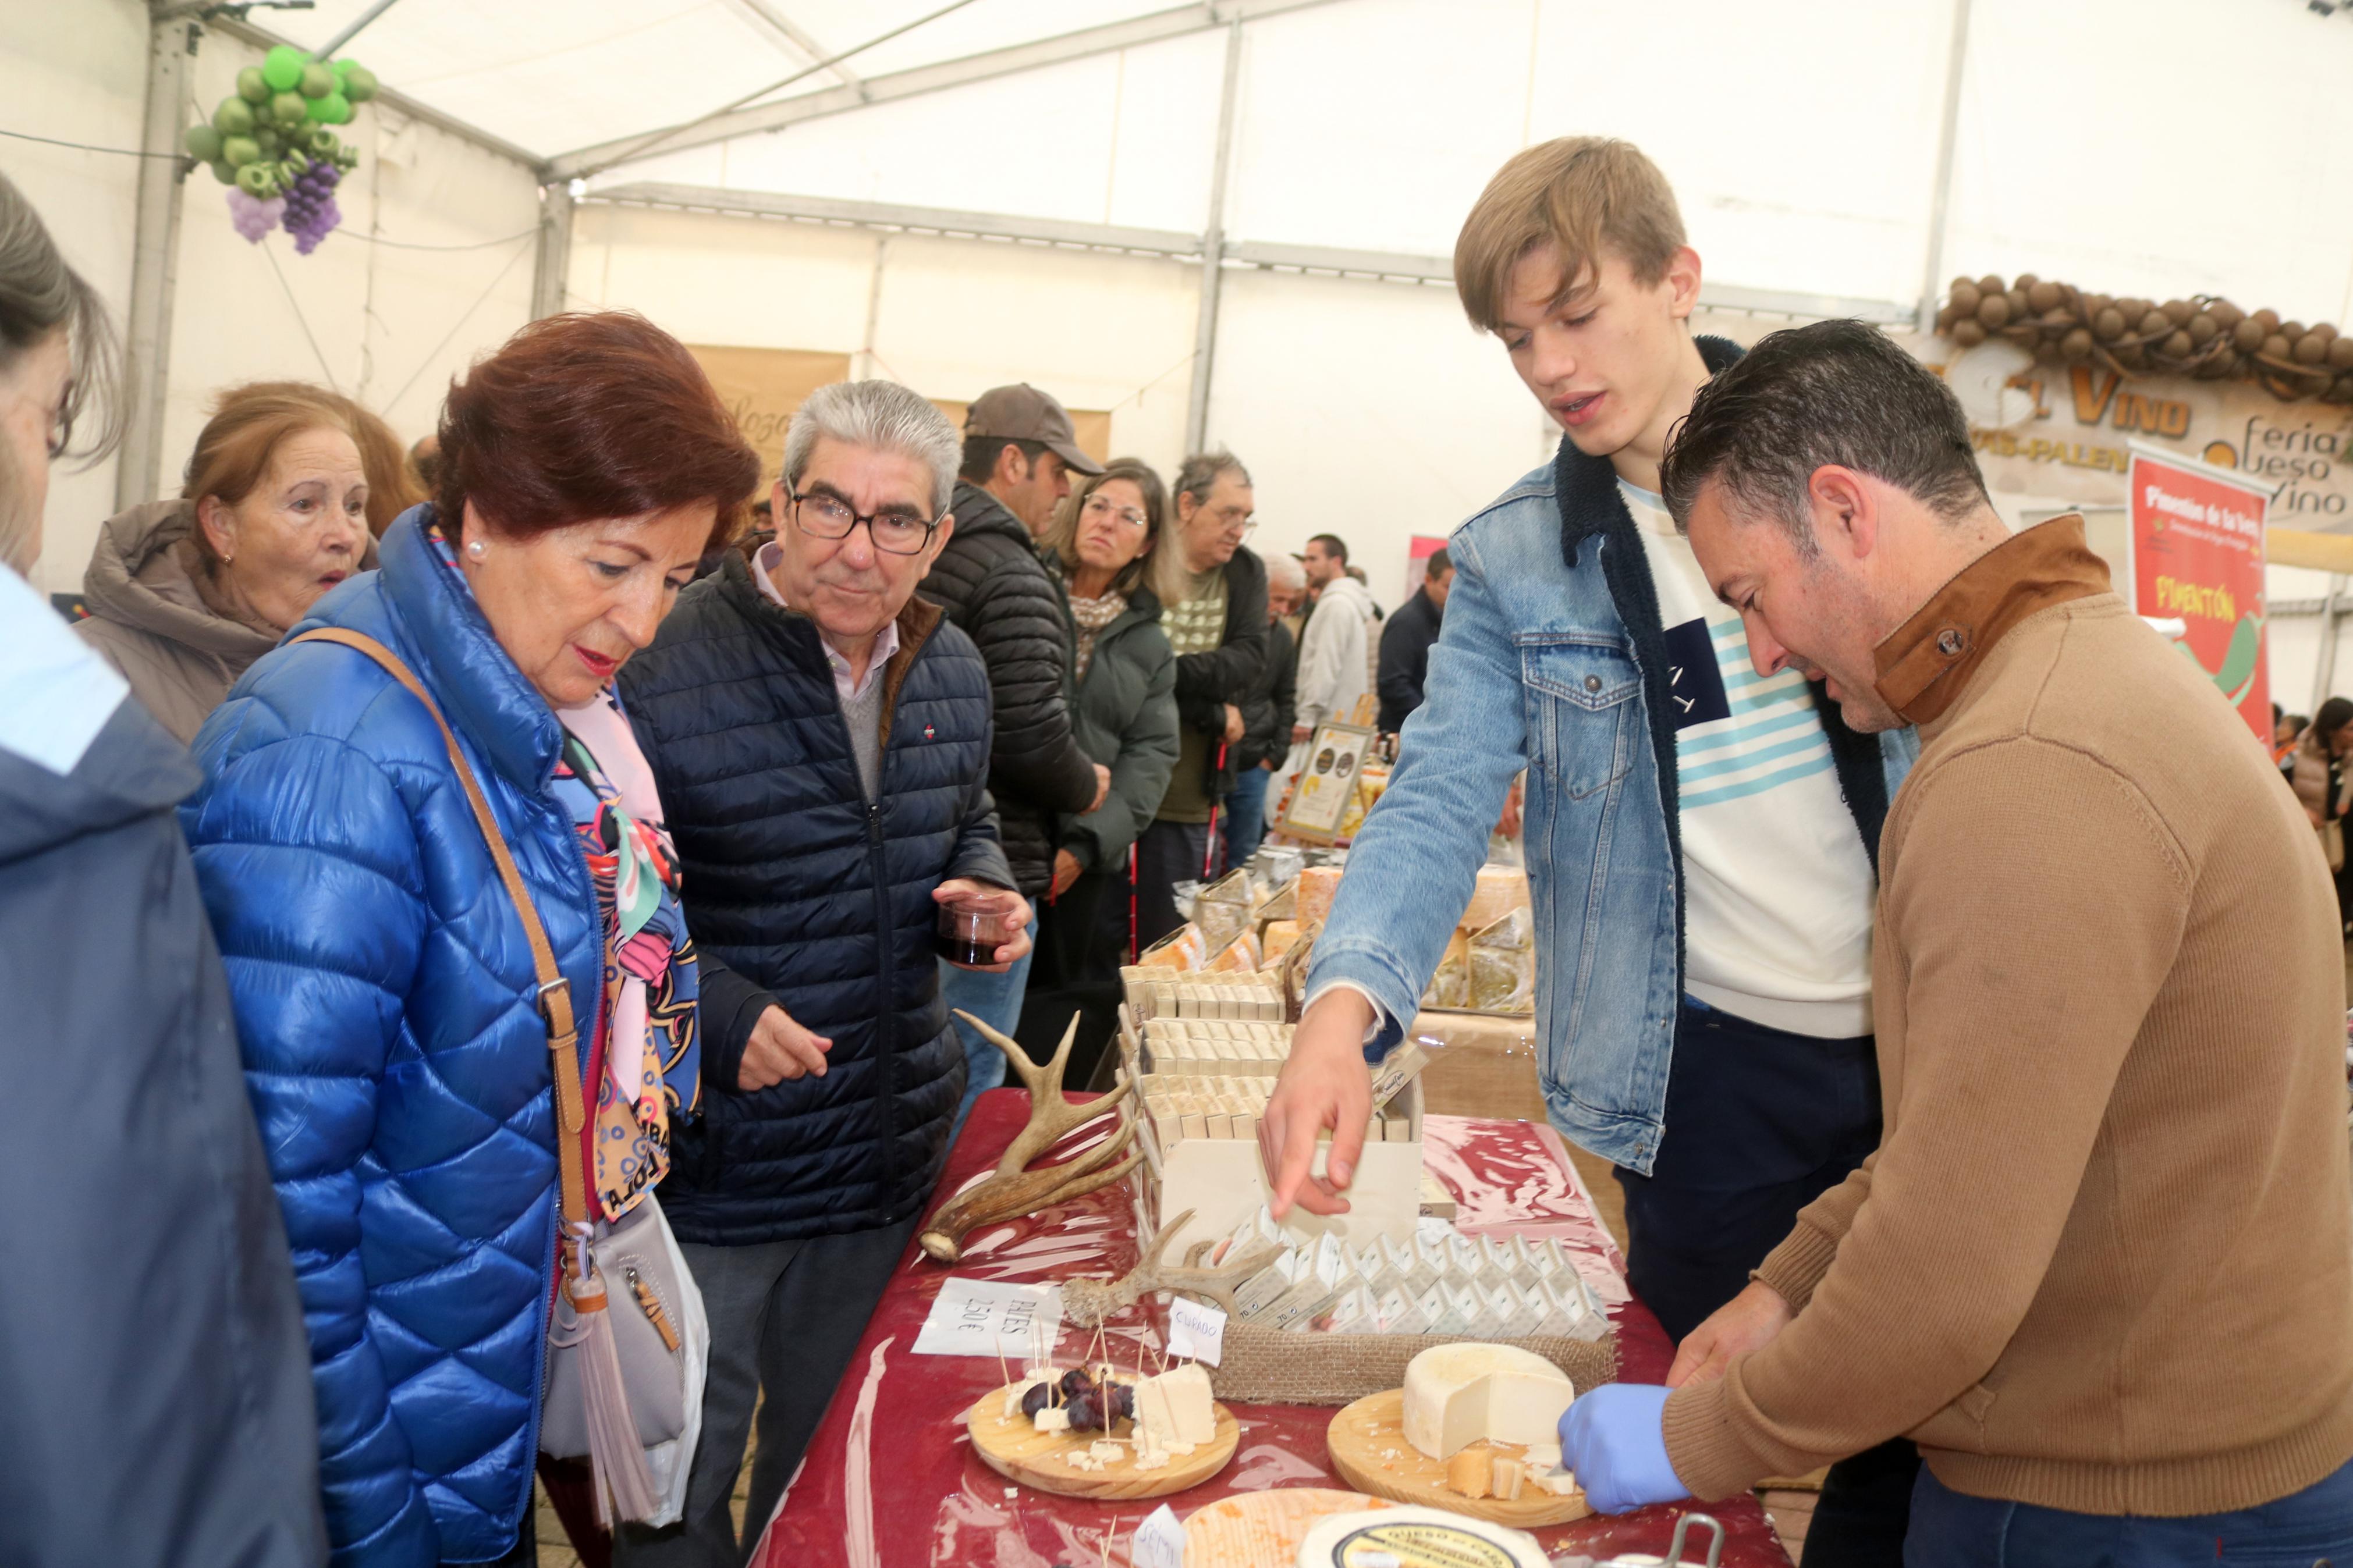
x=1503 y=966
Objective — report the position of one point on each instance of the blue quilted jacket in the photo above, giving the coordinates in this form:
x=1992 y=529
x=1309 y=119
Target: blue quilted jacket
x=396 y=1059
x=802 y=894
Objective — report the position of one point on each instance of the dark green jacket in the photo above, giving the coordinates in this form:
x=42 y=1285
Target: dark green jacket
x=1126 y=719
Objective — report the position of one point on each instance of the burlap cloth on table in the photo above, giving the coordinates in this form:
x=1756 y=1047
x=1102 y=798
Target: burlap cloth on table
x=1267 y=1366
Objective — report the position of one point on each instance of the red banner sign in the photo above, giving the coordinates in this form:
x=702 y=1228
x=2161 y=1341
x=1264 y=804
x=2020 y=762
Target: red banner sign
x=2196 y=550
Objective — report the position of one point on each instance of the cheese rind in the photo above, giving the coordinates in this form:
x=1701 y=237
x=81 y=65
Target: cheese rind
x=1457 y=1395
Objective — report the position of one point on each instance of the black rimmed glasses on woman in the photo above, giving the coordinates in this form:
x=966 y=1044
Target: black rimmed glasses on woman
x=821 y=514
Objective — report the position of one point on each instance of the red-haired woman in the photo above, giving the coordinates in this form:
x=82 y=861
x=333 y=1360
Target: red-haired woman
x=385 y=991
x=185 y=595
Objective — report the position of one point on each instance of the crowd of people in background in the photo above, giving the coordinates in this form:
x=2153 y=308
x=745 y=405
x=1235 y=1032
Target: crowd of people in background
x=741 y=748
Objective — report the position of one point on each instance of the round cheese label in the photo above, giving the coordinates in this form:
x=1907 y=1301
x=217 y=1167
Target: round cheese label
x=1412 y=1544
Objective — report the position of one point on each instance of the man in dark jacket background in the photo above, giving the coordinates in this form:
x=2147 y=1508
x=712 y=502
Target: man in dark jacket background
x=1018 y=454
x=1219 y=634
x=1406 y=640
x=1269 y=710
x=820 y=739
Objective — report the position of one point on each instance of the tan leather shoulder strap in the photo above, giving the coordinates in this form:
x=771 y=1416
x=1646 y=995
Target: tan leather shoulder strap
x=554 y=991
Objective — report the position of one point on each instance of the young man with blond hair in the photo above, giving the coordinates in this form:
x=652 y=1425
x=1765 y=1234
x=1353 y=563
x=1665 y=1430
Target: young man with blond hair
x=1700 y=834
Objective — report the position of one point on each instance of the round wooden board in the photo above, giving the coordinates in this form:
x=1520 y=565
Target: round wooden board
x=1264 y=1529
x=1020 y=1452
x=1370 y=1452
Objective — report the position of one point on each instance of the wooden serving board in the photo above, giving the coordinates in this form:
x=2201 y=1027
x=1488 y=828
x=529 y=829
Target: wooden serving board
x=1264 y=1529
x=1020 y=1452
x=1370 y=1452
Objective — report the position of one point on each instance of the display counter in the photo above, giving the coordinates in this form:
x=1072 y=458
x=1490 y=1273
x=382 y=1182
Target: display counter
x=890 y=1480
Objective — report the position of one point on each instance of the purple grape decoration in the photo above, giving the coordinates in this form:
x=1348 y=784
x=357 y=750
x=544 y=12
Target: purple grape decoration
x=310 y=211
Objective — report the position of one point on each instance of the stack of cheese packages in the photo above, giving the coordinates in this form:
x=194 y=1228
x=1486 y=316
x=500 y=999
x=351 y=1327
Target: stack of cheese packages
x=1483 y=1288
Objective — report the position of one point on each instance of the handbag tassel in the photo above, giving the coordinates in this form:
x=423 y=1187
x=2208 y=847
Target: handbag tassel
x=624 y=1486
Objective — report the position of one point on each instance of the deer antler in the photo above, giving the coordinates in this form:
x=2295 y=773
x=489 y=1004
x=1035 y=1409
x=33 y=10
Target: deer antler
x=1013 y=1189
x=1089 y=1301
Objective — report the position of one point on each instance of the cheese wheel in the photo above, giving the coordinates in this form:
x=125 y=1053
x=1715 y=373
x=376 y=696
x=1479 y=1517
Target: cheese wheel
x=1417 y=1538
x=1457 y=1395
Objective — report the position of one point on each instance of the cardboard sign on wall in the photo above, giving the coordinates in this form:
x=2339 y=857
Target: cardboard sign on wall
x=760 y=387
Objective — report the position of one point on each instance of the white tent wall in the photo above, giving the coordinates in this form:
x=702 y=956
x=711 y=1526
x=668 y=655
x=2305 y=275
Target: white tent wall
x=391 y=324
x=384 y=323
x=78 y=73
x=950 y=318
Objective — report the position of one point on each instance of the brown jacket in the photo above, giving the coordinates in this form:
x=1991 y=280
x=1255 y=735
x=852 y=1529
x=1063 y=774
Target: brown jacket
x=2310 y=778
x=2102 y=1259
x=153 y=618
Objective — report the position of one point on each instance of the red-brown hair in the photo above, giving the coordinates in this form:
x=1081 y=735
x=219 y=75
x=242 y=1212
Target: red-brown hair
x=590 y=415
x=394 y=484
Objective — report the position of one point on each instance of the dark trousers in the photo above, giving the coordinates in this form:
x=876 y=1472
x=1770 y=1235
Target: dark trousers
x=1082 y=943
x=2304 y=1530
x=1760 y=1122
x=785 y=1317
x=1245 y=816
x=1166 y=853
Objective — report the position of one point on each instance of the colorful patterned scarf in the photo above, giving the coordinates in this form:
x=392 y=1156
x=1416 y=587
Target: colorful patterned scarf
x=644 y=1063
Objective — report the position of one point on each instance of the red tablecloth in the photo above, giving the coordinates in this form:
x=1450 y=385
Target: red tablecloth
x=890 y=1480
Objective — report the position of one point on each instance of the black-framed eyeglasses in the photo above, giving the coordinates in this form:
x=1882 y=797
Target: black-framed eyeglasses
x=822 y=516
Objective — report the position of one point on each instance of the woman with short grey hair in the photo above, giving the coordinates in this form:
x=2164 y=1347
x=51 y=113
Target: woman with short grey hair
x=155 y=1401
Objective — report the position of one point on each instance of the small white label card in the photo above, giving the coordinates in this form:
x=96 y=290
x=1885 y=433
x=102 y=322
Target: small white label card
x=974 y=1317
x=1158 y=1542
x=1196 y=1330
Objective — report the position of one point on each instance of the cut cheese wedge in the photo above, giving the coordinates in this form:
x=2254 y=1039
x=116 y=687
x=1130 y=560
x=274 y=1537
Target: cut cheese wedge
x=1175 y=1409
x=1457 y=1395
x=1416 y=1538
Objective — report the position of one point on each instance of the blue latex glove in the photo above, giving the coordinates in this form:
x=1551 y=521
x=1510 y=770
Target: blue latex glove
x=1614 y=1441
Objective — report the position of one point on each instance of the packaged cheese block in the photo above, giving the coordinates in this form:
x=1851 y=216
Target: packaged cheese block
x=1499 y=891
x=1316 y=886
x=1173 y=1410
x=1278 y=937
x=1457 y=1395
x=1450 y=983
x=1416 y=1538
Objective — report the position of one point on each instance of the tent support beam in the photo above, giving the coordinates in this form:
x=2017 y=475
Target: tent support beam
x=155 y=263
x=1170 y=244
x=771 y=18
x=551 y=272
x=1956 y=60
x=1213 y=249
x=1178 y=22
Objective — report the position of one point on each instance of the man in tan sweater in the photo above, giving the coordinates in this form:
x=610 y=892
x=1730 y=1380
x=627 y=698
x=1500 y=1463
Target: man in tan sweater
x=2100 y=1268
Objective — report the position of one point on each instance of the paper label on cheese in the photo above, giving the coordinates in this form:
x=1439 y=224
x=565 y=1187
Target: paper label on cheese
x=1415 y=1543
x=1158 y=1542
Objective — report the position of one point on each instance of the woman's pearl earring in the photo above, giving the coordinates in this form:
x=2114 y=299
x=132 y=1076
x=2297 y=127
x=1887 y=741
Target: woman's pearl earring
x=474 y=549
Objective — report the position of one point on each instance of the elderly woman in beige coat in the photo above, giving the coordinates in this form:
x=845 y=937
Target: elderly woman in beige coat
x=184 y=595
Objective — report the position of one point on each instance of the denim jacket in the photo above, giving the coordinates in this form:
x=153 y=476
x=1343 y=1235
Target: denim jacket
x=1552 y=658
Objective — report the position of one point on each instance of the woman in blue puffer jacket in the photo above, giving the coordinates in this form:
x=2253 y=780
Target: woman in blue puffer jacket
x=384 y=988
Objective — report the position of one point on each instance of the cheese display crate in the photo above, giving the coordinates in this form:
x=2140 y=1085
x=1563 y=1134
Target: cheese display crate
x=1198 y=1094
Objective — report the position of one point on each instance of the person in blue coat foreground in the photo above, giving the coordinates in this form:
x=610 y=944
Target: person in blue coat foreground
x=822 y=737
x=154 y=1395
x=383 y=987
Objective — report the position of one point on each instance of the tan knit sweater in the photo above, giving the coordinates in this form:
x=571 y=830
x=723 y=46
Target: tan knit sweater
x=2103 y=1257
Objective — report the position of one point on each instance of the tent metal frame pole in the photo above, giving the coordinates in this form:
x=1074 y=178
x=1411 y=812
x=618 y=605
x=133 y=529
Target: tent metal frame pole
x=2332 y=619
x=1213 y=249
x=154 y=263
x=1940 y=207
x=326 y=51
x=550 y=273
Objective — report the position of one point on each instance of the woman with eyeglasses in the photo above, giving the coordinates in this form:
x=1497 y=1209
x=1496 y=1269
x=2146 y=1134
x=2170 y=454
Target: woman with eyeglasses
x=1103 y=549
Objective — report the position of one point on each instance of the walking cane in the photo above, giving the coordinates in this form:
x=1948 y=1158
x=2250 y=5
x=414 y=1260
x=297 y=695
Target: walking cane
x=1131 y=903
x=1209 y=849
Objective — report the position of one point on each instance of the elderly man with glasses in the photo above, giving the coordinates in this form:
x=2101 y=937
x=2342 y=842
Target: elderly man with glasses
x=1217 y=628
x=819 y=737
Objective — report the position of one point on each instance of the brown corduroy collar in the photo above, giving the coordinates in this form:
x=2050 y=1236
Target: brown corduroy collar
x=1927 y=662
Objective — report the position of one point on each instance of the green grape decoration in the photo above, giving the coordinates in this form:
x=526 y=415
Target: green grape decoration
x=271 y=143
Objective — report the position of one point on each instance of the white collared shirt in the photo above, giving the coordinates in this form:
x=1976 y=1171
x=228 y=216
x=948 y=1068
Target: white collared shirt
x=886 y=641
